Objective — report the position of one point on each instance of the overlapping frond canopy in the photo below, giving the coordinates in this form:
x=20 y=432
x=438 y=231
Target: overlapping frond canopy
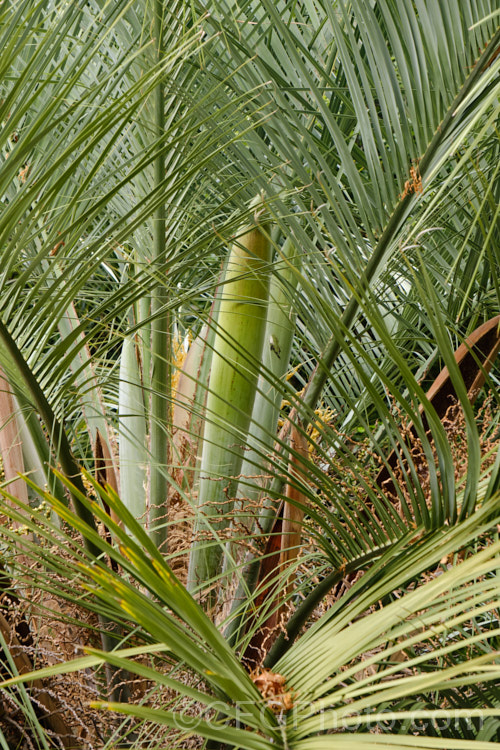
x=371 y=129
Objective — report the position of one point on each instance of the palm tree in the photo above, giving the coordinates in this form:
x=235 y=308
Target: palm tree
x=134 y=142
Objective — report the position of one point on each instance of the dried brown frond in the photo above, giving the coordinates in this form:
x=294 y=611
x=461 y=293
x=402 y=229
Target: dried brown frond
x=272 y=686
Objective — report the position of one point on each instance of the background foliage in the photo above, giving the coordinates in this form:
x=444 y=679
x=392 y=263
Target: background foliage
x=239 y=241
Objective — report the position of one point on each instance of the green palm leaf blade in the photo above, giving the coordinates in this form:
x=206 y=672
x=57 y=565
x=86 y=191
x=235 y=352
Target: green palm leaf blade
x=247 y=740
x=195 y=640
x=391 y=743
x=361 y=262
x=434 y=610
x=122 y=659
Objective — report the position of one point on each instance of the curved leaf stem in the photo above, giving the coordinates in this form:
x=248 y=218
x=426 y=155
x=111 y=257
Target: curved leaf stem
x=160 y=324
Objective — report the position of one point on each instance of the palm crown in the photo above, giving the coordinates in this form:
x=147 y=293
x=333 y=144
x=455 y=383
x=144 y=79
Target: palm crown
x=304 y=197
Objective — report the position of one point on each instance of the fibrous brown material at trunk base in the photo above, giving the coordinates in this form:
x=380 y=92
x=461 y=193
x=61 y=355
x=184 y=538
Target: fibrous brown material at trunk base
x=42 y=630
